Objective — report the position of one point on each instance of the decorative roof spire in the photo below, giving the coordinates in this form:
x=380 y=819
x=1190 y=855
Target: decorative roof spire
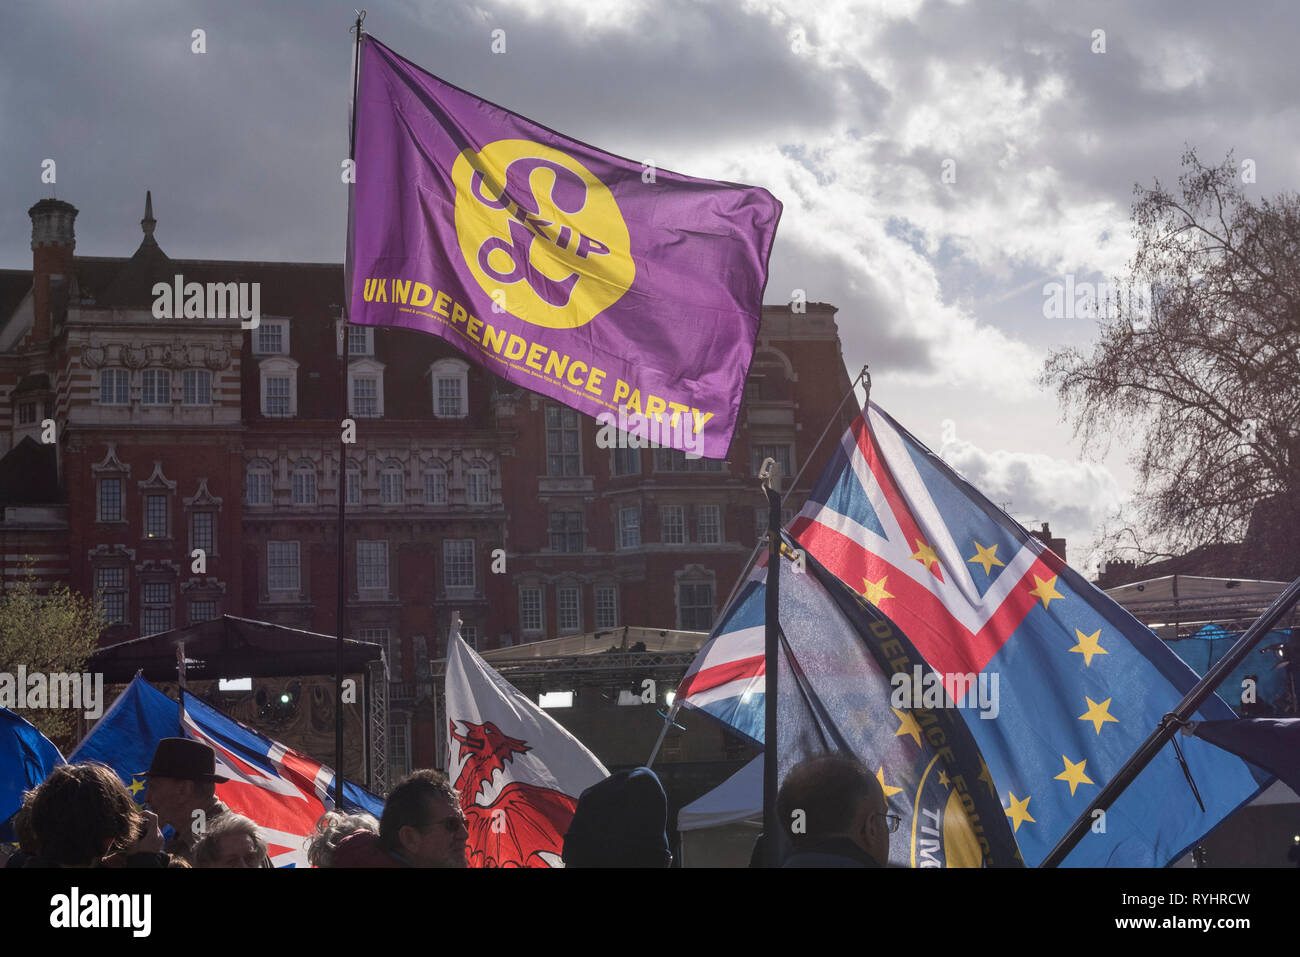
x=148 y=223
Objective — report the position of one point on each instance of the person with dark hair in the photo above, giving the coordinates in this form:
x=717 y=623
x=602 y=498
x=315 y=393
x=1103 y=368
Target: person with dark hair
x=834 y=811
x=182 y=782
x=620 y=822
x=82 y=813
x=422 y=826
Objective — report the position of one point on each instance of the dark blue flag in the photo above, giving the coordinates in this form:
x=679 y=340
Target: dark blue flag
x=127 y=735
x=1270 y=743
x=26 y=757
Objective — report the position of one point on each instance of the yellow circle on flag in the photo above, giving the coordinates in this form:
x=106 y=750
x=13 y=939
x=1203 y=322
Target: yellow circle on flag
x=540 y=233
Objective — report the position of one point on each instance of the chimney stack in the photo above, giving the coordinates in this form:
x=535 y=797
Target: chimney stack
x=53 y=240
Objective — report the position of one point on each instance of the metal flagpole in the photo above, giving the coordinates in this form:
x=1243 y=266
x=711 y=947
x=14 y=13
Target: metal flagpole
x=1172 y=722
x=770 y=474
x=343 y=450
x=862 y=376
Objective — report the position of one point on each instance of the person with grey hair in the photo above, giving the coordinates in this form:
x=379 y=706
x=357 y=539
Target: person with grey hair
x=332 y=828
x=232 y=840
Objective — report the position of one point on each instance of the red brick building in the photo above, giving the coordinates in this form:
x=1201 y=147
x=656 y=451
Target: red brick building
x=464 y=493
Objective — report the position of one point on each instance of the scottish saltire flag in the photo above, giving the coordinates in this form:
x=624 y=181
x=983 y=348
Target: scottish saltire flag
x=283 y=791
x=26 y=757
x=127 y=735
x=598 y=281
x=1081 y=683
x=518 y=772
x=838 y=657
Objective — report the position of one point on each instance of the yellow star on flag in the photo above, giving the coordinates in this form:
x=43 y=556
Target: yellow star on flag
x=1097 y=713
x=1088 y=646
x=874 y=592
x=943 y=778
x=907 y=725
x=889 y=791
x=1046 y=590
x=135 y=787
x=1073 y=773
x=988 y=557
x=1019 y=812
x=925 y=554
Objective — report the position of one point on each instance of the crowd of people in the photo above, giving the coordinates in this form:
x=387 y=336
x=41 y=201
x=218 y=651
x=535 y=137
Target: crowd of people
x=82 y=815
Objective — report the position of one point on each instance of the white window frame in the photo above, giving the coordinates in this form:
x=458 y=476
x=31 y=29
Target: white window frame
x=152 y=375
x=606 y=602
x=435 y=473
x=452 y=561
x=571 y=595
x=373 y=555
x=99 y=498
x=527 y=593
x=190 y=379
x=121 y=377
x=478 y=472
x=700 y=525
x=366 y=369
x=119 y=591
x=368 y=340
x=282 y=368
x=302 y=501
x=352 y=478
x=450 y=369
x=677 y=595
x=261 y=469
x=166 y=532
x=194 y=620
x=388 y=475
x=211 y=547
x=284 y=589
x=268 y=324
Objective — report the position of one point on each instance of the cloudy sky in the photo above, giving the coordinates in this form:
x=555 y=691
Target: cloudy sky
x=849 y=112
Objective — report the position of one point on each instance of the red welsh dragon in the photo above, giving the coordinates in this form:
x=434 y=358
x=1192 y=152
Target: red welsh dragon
x=523 y=821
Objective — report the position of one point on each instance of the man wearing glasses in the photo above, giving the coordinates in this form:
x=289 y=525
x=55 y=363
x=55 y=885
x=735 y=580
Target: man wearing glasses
x=834 y=811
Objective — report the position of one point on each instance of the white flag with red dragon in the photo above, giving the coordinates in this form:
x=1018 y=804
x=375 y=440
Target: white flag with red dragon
x=518 y=772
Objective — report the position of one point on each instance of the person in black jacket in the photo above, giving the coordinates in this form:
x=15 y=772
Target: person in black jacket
x=835 y=814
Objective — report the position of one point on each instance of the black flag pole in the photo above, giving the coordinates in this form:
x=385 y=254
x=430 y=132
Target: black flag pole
x=1172 y=722
x=343 y=448
x=771 y=474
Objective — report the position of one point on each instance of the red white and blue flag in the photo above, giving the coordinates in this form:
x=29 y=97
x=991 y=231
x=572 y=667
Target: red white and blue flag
x=283 y=791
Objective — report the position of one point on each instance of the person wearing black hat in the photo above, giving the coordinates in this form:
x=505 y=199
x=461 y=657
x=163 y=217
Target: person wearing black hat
x=182 y=783
x=620 y=822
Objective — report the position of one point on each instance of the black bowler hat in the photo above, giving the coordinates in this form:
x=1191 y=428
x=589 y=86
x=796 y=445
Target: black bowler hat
x=185 y=760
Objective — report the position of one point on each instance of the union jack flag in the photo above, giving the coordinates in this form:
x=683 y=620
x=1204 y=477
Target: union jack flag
x=282 y=791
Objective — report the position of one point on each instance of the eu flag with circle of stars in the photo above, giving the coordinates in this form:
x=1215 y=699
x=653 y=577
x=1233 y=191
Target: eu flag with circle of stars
x=1081 y=683
x=126 y=737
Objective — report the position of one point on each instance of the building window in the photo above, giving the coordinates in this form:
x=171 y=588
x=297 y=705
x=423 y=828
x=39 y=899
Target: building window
x=304 y=484
x=202 y=610
x=450 y=378
x=627 y=461
x=282 y=569
x=155 y=387
x=113 y=387
x=399 y=747
x=276 y=396
x=110 y=587
x=477 y=489
x=372 y=565
x=110 y=500
x=695 y=606
x=257 y=480
x=469 y=635
x=155 y=516
x=361 y=341
x=629 y=527
x=392 y=485
x=435 y=487
x=271 y=337
x=196 y=387
x=760 y=520
x=354 y=485
x=781 y=453
x=365 y=396
x=566 y=532
x=530 y=610
x=202 y=526
x=562 y=445
x=279 y=379
x=675 y=460
x=26 y=413
x=380 y=636
x=458 y=564
x=708 y=524
x=568 y=609
x=606 y=606
x=673 y=527
x=156 y=609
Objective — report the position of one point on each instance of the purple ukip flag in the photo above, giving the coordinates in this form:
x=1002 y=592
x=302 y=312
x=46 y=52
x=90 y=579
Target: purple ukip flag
x=629 y=293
